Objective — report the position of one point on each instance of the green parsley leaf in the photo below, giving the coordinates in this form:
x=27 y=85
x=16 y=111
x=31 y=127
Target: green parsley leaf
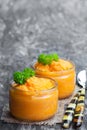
x=18 y=77
x=47 y=58
x=21 y=77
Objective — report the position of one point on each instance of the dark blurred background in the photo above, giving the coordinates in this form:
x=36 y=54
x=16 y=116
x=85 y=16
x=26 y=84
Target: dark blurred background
x=30 y=27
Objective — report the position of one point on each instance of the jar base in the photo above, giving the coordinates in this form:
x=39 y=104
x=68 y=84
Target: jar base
x=65 y=97
x=30 y=120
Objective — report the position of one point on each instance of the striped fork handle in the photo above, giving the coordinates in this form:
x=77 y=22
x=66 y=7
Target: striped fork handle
x=69 y=112
x=79 y=110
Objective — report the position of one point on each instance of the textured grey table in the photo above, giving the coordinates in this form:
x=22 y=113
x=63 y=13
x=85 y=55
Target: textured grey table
x=30 y=27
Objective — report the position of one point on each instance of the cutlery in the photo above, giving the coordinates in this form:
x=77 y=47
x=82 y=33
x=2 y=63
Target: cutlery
x=79 y=110
x=82 y=79
x=69 y=112
x=75 y=109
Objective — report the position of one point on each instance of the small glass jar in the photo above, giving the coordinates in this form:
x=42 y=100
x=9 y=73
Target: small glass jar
x=38 y=106
x=65 y=78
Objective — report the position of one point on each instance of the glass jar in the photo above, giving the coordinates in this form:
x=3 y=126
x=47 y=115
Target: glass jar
x=38 y=106
x=65 y=78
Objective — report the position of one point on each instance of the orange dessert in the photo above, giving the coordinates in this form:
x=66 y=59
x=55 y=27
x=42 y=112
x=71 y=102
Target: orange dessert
x=62 y=70
x=35 y=100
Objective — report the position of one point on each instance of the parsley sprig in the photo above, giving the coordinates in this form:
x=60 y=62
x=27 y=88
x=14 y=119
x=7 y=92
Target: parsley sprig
x=21 y=77
x=47 y=58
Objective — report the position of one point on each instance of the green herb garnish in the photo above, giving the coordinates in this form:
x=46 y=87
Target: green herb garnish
x=27 y=72
x=18 y=77
x=21 y=77
x=47 y=58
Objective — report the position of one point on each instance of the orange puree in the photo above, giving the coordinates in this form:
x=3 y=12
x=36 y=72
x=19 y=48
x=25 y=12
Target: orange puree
x=63 y=71
x=35 y=100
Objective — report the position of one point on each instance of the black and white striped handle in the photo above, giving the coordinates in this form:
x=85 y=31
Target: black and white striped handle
x=79 y=110
x=69 y=112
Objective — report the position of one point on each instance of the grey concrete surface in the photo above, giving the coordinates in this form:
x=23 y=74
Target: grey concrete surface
x=30 y=27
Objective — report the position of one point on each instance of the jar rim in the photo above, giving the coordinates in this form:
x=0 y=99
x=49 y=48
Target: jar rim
x=59 y=71
x=45 y=90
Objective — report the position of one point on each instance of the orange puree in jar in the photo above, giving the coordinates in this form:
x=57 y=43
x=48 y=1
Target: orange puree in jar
x=63 y=71
x=35 y=100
